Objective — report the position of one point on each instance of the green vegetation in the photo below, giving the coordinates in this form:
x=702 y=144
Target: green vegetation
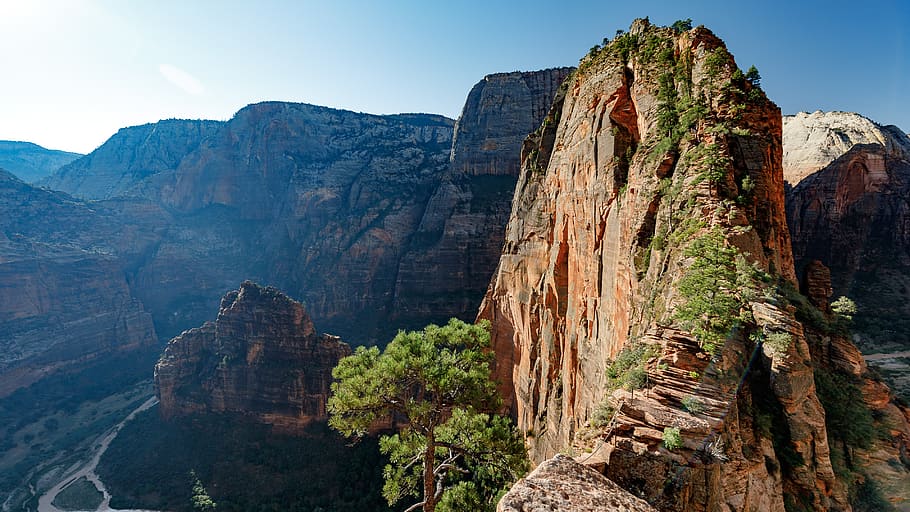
x=79 y=495
x=672 y=438
x=602 y=414
x=778 y=341
x=629 y=369
x=692 y=404
x=846 y=416
x=244 y=467
x=867 y=496
x=716 y=60
x=680 y=26
x=201 y=500
x=843 y=309
x=54 y=421
x=716 y=290
x=753 y=77
x=448 y=451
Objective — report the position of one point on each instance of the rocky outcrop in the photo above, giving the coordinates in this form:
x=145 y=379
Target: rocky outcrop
x=31 y=162
x=500 y=111
x=457 y=244
x=851 y=216
x=657 y=151
x=261 y=357
x=838 y=362
x=329 y=200
x=813 y=141
x=562 y=484
x=64 y=298
x=129 y=157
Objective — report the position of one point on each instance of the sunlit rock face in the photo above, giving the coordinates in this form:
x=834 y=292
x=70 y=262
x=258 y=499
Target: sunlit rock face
x=375 y=222
x=594 y=255
x=562 y=484
x=852 y=216
x=813 y=141
x=261 y=358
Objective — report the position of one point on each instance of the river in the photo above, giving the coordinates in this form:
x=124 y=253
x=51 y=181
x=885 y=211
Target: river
x=46 y=501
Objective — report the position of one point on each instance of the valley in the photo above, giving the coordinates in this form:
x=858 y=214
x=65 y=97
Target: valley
x=700 y=300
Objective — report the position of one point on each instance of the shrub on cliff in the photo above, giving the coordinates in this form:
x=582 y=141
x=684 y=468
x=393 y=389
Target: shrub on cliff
x=436 y=385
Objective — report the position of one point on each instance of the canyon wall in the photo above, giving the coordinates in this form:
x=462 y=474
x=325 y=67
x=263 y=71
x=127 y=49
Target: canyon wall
x=851 y=215
x=375 y=222
x=30 y=162
x=129 y=157
x=813 y=141
x=64 y=298
x=261 y=358
x=459 y=239
x=642 y=290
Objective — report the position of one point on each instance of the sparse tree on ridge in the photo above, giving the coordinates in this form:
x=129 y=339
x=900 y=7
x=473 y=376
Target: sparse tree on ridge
x=451 y=451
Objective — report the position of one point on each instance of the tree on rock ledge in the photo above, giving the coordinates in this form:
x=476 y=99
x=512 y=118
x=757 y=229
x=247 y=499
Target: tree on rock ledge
x=451 y=449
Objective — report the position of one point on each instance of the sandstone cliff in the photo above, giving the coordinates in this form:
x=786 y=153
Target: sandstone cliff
x=31 y=162
x=367 y=219
x=499 y=112
x=261 y=357
x=64 y=297
x=457 y=244
x=851 y=215
x=813 y=141
x=130 y=156
x=645 y=263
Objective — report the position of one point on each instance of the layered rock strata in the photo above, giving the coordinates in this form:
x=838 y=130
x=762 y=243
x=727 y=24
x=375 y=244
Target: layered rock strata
x=499 y=112
x=261 y=357
x=658 y=158
x=459 y=239
x=64 y=298
x=375 y=222
x=851 y=215
x=813 y=141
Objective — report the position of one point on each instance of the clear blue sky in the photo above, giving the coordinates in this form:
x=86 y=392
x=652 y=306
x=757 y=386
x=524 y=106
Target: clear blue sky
x=74 y=71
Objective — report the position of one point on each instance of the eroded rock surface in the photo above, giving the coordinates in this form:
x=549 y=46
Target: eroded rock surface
x=500 y=111
x=607 y=203
x=852 y=216
x=813 y=141
x=64 y=296
x=261 y=357
x=562 y=484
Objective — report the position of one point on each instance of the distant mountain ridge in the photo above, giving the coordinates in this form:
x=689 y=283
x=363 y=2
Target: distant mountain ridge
x=130 y=156
x=364 y=217
x=31 y=162
x=813 y=140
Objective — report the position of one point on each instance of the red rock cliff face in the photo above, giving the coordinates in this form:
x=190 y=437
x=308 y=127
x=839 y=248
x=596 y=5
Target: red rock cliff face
x=459 y=239
x=64 y=297
x=656 y=142
x=261 y=357
x=852 y=216
x=499 y=112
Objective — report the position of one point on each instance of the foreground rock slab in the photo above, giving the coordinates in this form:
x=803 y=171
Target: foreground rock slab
x=562 y=484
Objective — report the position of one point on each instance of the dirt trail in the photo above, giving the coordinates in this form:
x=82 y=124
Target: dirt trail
x=45 y=502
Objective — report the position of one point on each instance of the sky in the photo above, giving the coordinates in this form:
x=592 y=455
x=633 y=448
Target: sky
x=75 y=71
